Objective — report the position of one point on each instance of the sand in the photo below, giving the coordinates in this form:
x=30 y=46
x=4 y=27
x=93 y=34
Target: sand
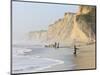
x=85 y=59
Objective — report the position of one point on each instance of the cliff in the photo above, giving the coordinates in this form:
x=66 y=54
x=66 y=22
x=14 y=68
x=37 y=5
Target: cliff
x=84 y=24
x=38 y=35
x=61 y=29
x=72 y=28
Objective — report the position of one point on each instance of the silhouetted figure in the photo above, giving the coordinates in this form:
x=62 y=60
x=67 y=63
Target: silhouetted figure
x=55 y=45
x=58 y=45
x=75 y=49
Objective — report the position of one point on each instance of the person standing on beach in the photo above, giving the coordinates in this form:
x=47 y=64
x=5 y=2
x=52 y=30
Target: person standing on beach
x=58 y=45
x=75 y=49
x=55 y=45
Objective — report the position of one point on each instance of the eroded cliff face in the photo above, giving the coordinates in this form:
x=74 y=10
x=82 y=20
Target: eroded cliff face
x=61 y=29
x=73 y=27
x=84 y=24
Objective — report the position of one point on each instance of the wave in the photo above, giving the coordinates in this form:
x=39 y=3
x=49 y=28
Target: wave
x=36 y=64
x=58 y=62
x=21 y=50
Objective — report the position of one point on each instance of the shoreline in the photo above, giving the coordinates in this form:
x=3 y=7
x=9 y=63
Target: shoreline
x=85 y=59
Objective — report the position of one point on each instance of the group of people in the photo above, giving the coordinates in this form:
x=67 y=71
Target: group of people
x=56 y=45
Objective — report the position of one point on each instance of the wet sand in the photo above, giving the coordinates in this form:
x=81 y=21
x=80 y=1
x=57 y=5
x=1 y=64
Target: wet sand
x=85 y=59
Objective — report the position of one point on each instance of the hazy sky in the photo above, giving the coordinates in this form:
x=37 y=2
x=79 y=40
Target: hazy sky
x=36 y=16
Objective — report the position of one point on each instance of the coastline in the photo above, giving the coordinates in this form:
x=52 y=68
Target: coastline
x=63 y=58
x=85 y=59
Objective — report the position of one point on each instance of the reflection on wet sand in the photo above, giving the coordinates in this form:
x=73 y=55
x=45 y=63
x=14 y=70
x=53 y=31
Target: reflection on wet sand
x=85 y=58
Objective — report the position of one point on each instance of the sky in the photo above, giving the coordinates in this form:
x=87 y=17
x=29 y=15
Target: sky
x=27 y=16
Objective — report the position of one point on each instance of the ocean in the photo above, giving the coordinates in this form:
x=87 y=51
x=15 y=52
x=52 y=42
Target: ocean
x=36 y=58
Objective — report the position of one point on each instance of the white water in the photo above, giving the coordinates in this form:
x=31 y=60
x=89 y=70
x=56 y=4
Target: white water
x=30 y=63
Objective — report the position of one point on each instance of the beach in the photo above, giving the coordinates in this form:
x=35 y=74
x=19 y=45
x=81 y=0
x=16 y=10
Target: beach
x=55 y=42
x=84 y=59
x=55 y=59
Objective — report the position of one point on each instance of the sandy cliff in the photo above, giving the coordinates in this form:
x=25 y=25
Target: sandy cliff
x=84 y=24
x=61 y=29
x=73 y=27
